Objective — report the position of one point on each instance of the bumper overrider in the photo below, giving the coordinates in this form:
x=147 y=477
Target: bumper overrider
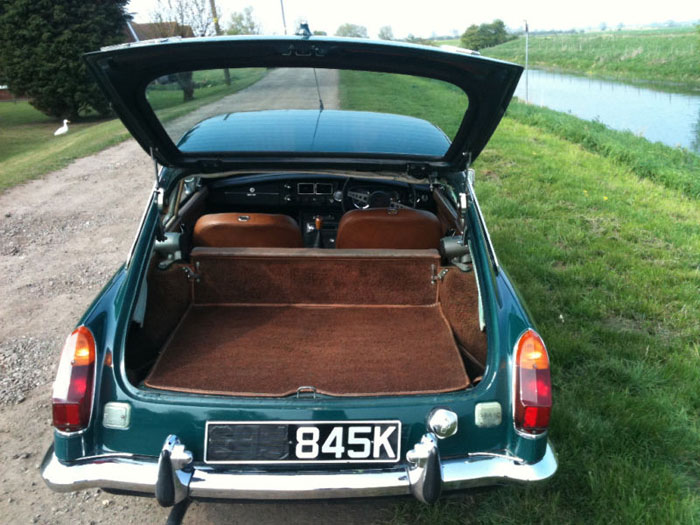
x=173 y=476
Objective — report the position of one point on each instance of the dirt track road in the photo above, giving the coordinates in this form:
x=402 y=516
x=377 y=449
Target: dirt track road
x=61 y=238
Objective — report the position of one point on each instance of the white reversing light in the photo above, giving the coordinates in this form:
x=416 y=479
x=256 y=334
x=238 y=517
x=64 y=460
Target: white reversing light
x=443 y=423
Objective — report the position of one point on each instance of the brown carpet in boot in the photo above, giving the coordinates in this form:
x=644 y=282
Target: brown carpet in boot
x=339 y=350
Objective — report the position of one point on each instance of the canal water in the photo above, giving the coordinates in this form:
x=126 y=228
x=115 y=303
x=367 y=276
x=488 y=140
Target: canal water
x=671 y=118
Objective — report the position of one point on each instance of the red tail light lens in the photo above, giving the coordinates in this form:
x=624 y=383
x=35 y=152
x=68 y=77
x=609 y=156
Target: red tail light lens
x=72 y=390
x=533 y=385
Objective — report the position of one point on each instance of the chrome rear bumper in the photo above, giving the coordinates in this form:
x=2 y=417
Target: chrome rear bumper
x=140 y=474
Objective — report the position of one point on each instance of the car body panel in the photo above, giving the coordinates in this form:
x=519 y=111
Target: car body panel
x=315 y=131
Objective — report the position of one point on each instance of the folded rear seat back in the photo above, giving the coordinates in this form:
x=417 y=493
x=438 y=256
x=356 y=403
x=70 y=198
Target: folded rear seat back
x=313 y=276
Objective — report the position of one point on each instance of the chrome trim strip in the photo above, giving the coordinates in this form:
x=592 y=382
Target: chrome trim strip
x=139 y=474
x=299 y=485
x=112 y=471
x=493 y=470
x=514 y=459
x=489 y=244
x=475 y=267
x=141 y=225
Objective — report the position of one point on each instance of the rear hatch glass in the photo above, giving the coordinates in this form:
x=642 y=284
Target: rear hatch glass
x=307 y=110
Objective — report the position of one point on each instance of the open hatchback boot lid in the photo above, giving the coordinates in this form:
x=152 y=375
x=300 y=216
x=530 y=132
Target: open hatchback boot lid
x=269 y=135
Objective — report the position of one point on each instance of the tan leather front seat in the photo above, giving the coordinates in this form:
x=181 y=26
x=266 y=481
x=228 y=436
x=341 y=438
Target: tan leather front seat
x=239 y=230
x=402 y=229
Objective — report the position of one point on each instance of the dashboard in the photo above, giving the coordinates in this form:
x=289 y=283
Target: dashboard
x=344 y=193
x=314 y=200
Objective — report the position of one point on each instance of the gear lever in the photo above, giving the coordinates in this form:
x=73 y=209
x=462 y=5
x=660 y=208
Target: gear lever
x=318 y=224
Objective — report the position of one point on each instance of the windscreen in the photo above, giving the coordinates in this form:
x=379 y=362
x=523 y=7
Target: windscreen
x=304 y=110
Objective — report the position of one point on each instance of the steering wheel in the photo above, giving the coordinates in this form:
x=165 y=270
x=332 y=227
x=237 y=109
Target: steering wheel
x=363 y=198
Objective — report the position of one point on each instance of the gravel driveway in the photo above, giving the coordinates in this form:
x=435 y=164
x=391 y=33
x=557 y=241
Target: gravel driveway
x=61 y=238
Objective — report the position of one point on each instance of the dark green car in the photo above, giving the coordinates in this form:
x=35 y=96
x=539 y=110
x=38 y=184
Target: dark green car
x=312 y=307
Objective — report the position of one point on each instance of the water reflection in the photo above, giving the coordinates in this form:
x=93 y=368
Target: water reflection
x=671 y=118
x=695 y=145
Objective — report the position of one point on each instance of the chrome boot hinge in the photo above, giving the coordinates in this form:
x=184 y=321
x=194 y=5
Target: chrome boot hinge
x=435 y=276
x=192 y=275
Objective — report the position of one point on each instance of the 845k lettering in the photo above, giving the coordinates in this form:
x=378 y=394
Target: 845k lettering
x=303 y=442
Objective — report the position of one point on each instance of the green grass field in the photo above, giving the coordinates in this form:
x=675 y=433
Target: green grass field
x=607 y=257
x=674 y=168
x=431 y=100
x=450 y=42
x=663 y=55
x=29 y=150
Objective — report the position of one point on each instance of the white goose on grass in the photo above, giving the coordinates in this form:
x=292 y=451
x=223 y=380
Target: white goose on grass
x=63 y=129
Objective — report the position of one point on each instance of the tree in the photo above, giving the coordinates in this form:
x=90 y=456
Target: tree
x=352 y=30
x=485 y=35
x=496 y=32
x=411 y=38
x=41 y=43
x=470 y=38
x=217 y=31
x=385 y=33
x=243 y=23
x=184 y=18
x=191 y=17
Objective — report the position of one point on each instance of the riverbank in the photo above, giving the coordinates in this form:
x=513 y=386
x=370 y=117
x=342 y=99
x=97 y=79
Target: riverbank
x=674 y=168
x=662 y=57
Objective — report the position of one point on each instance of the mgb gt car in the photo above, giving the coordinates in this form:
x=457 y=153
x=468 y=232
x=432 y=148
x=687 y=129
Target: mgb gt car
x=312 y=307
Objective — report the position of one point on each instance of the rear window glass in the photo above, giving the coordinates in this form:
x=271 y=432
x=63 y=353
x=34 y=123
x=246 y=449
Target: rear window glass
x=305 y=110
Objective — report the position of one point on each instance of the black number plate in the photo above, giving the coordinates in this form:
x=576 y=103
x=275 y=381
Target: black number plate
x=303 y=442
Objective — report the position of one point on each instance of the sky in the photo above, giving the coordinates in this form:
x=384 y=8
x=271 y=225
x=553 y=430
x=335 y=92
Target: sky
x=446 y=17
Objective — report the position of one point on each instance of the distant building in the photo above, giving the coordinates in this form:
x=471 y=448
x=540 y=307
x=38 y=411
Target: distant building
x=154 y=30
x=137 y=32
x=5 y=93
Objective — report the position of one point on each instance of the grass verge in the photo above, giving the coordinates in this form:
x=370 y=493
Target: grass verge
x=29 y=150
x=609 y=264
x=661 y=55
x=432 y=100
x=675 y=168
x=167 y=101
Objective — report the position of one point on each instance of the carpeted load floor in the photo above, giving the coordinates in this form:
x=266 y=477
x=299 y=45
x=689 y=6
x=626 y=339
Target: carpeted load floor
x=272 y=350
